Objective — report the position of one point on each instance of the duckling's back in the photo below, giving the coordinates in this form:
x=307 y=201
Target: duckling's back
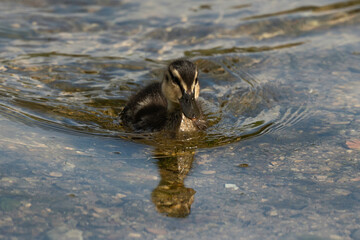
x=146 y=110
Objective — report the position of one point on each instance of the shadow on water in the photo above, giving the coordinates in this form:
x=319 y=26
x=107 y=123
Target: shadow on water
x=171 y=197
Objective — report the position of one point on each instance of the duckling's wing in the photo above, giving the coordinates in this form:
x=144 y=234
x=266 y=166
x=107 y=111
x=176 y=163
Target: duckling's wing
x=146 y=110
x=151 y=117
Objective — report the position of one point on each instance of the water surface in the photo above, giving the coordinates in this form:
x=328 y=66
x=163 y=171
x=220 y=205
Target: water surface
x=279 y=86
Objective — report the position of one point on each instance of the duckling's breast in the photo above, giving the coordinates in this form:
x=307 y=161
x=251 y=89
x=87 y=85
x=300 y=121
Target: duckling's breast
x=187 y=125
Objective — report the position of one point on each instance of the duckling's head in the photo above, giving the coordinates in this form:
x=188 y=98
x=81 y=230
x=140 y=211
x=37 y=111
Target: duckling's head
x=181 y=87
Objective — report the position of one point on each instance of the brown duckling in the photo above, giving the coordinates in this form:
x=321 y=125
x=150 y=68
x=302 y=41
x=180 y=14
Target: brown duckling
x=170 y=105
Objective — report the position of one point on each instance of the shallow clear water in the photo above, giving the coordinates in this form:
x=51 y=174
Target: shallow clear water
x=279 y=86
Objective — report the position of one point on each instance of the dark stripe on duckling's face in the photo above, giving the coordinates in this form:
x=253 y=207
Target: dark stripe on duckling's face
x=186 y=84
x=176 y=80
x=185 y=68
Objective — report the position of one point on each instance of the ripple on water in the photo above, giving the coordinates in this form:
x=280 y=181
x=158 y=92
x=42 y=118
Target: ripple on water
x=72 y=96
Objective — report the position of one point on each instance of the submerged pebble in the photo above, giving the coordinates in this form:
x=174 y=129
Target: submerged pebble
x=65 y=233
x=231 y=186
x=55 y=174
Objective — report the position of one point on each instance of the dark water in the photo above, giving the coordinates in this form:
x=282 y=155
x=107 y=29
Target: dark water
x=279 y=86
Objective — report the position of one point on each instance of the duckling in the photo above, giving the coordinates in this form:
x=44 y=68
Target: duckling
x=170 y=105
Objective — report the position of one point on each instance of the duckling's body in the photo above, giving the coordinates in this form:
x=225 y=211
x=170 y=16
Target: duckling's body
x=170 y=105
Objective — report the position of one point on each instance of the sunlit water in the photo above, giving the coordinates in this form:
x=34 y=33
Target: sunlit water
x=278 y=80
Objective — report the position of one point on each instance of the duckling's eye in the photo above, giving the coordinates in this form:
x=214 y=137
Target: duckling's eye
x=196 y=80
x=176 y=80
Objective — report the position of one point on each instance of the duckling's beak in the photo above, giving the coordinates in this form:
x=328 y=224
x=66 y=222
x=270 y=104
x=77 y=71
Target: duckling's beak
x=189 y=106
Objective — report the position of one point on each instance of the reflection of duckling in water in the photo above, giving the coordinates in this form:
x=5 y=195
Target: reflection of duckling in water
x=170 y=105
x=171 y=197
